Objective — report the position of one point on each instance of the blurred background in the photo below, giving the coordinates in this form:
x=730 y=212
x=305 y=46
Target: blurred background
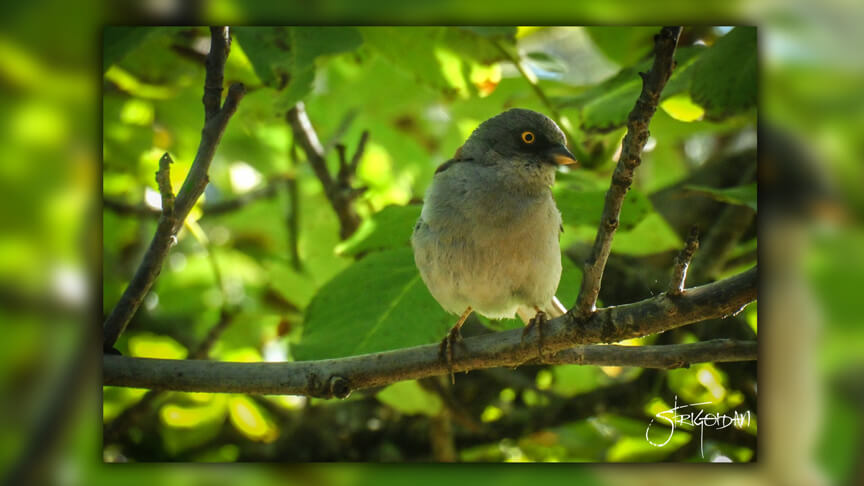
x=810 y=111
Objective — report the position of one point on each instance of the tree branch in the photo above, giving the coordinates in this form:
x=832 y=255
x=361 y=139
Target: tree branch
x=679 y=271
x=338 y=377
x=193 y=187
x=338 y=191
x=730 y=225
x=631 y=153
x=664 y=356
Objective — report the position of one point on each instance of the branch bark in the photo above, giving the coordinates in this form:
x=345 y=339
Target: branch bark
x=338 y=191
x=216 y=119
x=338 y=377
x=682 y=261
x=631 y=153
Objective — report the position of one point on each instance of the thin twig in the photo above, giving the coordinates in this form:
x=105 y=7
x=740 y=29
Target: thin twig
x=723 y=235
x=574 y=143
x=682 y=261
x=193 y=186
x=163 y=181
x=338 y=191
x=631 y=152
x=340 y=130
x=338 y=377
x=292 y=218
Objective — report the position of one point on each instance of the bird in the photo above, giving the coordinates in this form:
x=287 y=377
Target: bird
x=487 y=239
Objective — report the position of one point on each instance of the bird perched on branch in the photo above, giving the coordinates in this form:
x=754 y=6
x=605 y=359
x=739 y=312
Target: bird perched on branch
x=487 y=238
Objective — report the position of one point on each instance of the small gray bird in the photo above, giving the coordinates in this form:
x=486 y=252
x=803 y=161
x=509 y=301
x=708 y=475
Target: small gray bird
x=487 y=238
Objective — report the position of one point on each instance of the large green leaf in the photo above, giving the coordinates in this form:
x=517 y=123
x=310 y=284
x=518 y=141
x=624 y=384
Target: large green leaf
x=623 y=45
x=724 y=78
x=607 y=105
x=478 y=43
x=284 y=57
x=376 y=304
x=389 y=228
x=413 y=52
x=117 y=41
x=584 y=207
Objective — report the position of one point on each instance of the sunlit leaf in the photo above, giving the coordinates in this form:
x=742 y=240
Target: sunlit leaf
x=251 y=420
x=681 y=107
x=410 y=398
x=148 y=345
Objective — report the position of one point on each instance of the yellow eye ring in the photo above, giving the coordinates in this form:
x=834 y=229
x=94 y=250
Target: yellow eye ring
x=528 y=137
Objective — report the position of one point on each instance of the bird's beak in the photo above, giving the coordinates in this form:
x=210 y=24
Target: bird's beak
x=560 y=155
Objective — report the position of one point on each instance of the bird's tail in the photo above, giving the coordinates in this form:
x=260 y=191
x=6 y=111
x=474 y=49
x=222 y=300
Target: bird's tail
x=553 y=310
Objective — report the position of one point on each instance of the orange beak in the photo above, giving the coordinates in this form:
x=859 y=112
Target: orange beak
x=561 y=156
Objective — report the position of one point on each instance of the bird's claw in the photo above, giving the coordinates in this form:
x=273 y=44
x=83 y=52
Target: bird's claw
x=445 y=349
x=537 y=321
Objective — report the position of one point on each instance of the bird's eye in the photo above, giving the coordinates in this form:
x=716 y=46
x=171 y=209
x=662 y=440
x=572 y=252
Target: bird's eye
x=528 y=137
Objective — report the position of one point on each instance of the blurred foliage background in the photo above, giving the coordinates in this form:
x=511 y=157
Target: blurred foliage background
x=268 y=279
x=809 y=79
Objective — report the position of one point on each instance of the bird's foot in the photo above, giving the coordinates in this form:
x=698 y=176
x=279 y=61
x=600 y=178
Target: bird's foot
x=445 y=350
x=538 y=321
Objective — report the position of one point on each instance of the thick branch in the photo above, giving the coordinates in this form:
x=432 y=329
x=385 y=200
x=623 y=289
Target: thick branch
x=338 y=377
x=338 y=191
x=631 y=153
x=193 y=187
x=220 y=45
x=664 y=356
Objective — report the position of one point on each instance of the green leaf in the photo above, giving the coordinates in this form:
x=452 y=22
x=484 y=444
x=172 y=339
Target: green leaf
x=572 y=380
x=376 y=304
x=284 y=57
x=653 y=234
x=546 y=62
x=682 y=108
x=607 y=105
x=389 y=228
x=413 y=52
x=117 y=41
x=478 y=43
x=492 y=32
x=585 y=207
x=745 y=195
x=724 y=78
x=410 y=398
x=623 y=45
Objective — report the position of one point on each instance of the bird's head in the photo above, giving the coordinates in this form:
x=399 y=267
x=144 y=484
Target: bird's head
x=518 y=136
